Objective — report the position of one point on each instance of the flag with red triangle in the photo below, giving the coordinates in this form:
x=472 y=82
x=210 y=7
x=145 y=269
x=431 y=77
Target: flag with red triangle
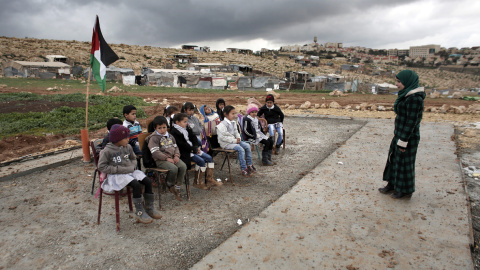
x=101 y=56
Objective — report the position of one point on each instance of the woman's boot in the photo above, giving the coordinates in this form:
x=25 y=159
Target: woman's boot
x=140 y=214
x=198 y=180
x=149 y=199
x=209 y=180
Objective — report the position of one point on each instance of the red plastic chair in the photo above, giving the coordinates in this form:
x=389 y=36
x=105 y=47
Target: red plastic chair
x=117 y=194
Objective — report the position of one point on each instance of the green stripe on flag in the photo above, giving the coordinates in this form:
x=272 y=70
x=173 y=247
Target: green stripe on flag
x=96 y=72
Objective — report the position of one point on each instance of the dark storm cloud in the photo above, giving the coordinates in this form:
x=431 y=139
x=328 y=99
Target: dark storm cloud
x=168 y=23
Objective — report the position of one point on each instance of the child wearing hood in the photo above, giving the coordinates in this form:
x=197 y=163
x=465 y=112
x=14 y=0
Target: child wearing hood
x=220 y=105
x=210 y=122
x=118 y=161
x=274 y=116
x=193 y=122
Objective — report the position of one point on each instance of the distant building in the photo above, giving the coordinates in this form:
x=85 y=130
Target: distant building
x=56 y=58
x=396 y=52
x=423 y=51
x=189 y=47
x=43 y=70
x=336 y=45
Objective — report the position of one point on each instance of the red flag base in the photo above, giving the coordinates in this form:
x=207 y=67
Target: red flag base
x=85 y=145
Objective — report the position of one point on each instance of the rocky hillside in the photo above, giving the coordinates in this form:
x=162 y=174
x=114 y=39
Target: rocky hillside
x=136 y=57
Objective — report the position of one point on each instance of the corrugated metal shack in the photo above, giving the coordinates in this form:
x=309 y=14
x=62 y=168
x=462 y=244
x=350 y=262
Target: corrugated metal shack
x=42 y=70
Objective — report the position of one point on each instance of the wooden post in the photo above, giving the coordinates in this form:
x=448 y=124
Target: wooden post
x=84 y=132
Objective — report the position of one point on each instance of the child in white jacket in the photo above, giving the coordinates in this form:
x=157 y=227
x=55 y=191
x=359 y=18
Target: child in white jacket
x=229 y=138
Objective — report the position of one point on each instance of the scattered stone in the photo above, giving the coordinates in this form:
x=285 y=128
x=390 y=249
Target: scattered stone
x=435 y=95
x=381 y=108
x=334 y=105
x=457 y=95
x=373 y=107
x=317 y=106
x=337 y=93
x=116 y=90
x=348 y=107
x=306 y=105
x=291 y=107
x=323 y=106
x=275 y=94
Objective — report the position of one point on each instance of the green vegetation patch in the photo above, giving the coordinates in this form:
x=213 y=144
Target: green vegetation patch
x=64 y=120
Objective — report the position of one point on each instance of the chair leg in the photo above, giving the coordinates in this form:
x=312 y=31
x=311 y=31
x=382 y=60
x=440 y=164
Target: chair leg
x=99 y=206
x=129 y=195
x=283 y=139
x=94 y=176
x=117 y=211
x=157 y=176
x=229 y=168
x=187 y=185
x=258 y=152
x=226 y=156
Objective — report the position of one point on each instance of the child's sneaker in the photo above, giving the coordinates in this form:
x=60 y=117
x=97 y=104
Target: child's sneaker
x=246 y=173
x=251 y=169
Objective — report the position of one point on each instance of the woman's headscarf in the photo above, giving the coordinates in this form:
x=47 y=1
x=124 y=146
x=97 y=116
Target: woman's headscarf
x=410 y=81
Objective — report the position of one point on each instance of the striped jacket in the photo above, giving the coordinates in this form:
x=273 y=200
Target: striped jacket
x=135 y=131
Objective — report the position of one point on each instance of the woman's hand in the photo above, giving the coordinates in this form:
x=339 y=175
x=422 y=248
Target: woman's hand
x=171 y=160
x=402 y=149
x=176 y=160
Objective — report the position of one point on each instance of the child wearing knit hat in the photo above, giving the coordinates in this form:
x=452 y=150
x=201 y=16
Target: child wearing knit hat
x=118 y=161
x=254 y=134
x=274 y=116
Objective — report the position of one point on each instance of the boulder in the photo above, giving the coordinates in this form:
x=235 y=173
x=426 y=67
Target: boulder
x=381 y=108
x=474 y=108
x=457 y=95
x=115 y=90
x=373 y=107
x=357 y=107
x=306 y=105
x=336 y=93
x=291 y=107
x=435 y=95
x=334 y=105
x=275 y=94
x=317 y=106
x=460 y=109
x=363 y=106
x=323 y=106
x=348 y=107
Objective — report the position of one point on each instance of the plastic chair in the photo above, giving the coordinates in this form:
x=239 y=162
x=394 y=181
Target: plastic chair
x=100 y=192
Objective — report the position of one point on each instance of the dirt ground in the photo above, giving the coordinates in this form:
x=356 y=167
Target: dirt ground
x=48 y=219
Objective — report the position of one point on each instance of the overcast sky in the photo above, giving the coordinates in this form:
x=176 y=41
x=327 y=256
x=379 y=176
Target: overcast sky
x=252 y=24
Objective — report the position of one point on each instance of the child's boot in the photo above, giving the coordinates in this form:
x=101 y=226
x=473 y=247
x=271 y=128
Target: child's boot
x=265 y=159
x=198 y=180
x=270 y=157
x=149 y=199
x=251 y=169
x=175 y=193
x=209 y=180
x=140 y=214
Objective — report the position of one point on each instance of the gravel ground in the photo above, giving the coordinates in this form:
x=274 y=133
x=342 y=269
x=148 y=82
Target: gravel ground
x=48 y=219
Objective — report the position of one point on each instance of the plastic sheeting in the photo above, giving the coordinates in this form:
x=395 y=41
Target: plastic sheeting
x=204 y=85
x=244 y=82
x=219 y=82
x=260 y=82
x=128 y=80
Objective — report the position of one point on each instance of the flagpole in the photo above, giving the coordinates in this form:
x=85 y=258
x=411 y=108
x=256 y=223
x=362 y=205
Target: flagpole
x=84 y=132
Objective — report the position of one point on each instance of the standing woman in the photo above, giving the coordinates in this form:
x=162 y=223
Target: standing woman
x=400 y=169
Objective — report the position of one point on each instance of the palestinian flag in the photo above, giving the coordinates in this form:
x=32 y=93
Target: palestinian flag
x=101 y=56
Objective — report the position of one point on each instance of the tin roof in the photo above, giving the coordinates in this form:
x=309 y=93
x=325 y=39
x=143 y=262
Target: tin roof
x=42 y=64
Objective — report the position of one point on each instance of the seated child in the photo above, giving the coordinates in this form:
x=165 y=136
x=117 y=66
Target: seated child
x=274 y=116
x=220 y=105
x=110 y=123
x=210 y=122
x=190 y=151
x=229 y=138
x=193 y=121
x=118 y=161
x=130 y=114
x=166 y=154
x=169 y=112
x=254 y=134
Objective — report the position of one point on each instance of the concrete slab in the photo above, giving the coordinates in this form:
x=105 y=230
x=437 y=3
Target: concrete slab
x=335 y=218
x=23 y=168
